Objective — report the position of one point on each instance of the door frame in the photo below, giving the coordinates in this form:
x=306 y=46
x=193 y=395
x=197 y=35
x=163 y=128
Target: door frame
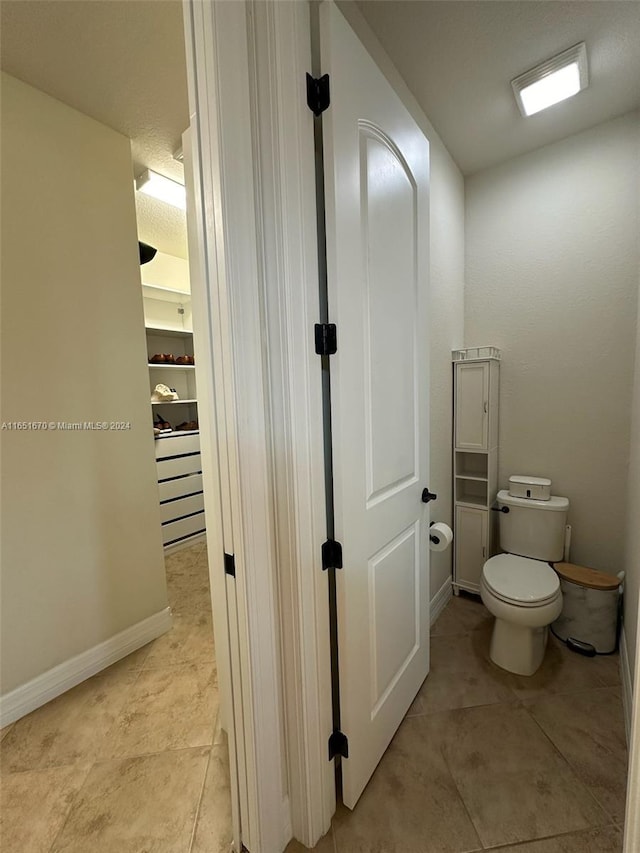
x=247 y=64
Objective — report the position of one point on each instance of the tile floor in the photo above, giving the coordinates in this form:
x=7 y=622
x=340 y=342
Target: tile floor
x=486 y=760
x=131 y=761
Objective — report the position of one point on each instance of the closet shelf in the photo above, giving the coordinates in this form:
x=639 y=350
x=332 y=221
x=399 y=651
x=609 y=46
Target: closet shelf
x=166 y=294
x=171 y=402
x=172 y=366
x=472 y=502
x=168 y=332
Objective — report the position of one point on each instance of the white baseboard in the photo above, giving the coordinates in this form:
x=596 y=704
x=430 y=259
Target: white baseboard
x=627 y=683
x=185 y=543
x=287 y=827
x=43 y=688
x=440 y=600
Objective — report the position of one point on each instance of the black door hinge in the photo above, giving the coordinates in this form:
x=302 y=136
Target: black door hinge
x=318 y=97
x=338 y=745
x=331 y=555
x=230 y=565
x=326 y=338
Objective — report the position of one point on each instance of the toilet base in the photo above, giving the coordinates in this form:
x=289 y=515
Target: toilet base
x=517 y=648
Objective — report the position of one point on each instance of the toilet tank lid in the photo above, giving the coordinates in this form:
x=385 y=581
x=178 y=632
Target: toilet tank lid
x=530 y=481
x=554 y=504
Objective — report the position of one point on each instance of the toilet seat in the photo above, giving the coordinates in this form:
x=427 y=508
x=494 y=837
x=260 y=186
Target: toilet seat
x=520 y=581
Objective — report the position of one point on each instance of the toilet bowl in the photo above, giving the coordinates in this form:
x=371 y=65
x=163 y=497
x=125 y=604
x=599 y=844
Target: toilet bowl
x=525 y=597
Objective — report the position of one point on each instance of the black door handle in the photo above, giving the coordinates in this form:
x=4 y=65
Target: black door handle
x=428 y=496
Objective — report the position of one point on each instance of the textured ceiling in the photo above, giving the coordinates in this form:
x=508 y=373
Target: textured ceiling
x=121 y=62
x=458 y=59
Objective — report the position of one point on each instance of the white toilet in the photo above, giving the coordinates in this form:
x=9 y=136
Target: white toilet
x=519 y=587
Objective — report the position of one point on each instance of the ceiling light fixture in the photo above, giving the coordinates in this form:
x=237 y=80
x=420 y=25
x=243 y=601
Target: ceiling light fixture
x=162 y=188
x=552 y=81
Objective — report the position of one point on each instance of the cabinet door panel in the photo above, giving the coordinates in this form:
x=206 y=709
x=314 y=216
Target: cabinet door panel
x=472 y=402
x=471 y=537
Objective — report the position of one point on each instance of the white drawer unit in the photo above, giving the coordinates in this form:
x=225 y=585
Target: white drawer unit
x=180 y=488
x=180 y=491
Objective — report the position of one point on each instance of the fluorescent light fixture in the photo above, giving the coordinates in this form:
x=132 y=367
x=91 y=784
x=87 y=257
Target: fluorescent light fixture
x=552 y=81
x=162 y=188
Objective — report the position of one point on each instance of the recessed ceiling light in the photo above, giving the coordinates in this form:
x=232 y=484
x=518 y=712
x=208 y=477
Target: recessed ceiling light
x=162 y=188
x=552 y=81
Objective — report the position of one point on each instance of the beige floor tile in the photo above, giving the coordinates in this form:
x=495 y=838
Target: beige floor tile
x=461 y=675
x=461 y=615
x=188 y=591
x=190 y=640
x=605 y=840
x=411 y=804
x=137 y=804
x=214 y=832
x=182 y=559
x=325 y=845
x=202 y=549
x=564 y=671
x=70 y=728
x=34 y=806
x=171 y=708
x=132 y=662
x=515 y=785
x=588 y=729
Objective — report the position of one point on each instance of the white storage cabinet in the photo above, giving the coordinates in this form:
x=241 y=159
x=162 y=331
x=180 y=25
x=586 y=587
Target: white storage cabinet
x=476 y=383
x=168 y=328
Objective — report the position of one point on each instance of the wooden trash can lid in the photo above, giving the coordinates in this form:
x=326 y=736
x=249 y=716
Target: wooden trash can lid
x=591 y=578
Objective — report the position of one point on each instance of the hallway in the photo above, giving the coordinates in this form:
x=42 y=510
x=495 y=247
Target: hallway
x=132 y=759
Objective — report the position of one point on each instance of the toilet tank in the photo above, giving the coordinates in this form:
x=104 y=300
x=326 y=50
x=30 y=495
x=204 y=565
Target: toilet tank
x=533 y=528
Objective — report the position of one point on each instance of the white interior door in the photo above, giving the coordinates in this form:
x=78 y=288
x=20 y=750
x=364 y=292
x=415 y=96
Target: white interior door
x=376 y=187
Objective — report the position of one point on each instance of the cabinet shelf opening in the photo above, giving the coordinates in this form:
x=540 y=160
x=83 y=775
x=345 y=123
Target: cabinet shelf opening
x=473 y=465
x=473 y=492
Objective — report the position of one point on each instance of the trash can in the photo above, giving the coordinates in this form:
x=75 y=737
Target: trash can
x=590 y=618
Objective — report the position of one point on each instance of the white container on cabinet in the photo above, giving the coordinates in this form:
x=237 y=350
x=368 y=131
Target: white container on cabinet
x=533 y=488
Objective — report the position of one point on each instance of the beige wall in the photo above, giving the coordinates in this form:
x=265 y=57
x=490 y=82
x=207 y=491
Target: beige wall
x=81 y=551
x=632 y=549
x=552 y=279
x=166 y=271
x=446 y=289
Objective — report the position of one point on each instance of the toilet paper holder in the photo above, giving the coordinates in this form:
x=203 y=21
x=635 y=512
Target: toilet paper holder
x=434 y=539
